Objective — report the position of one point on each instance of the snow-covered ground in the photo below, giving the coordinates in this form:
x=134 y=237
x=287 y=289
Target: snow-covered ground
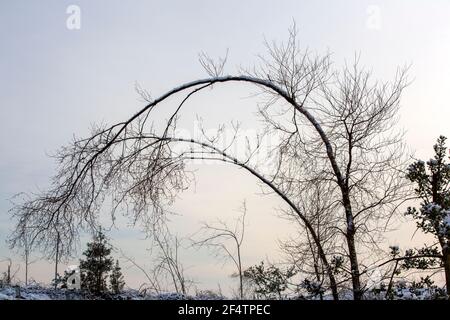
x=37 y=292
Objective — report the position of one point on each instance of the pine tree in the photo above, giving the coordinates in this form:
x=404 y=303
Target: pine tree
x=269 y=282
x=98 y=263
x=116 y=281
x=432 y=182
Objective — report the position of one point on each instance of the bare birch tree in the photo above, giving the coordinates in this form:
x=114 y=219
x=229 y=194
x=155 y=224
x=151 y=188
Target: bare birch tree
x=338 y=122
x=343 y=131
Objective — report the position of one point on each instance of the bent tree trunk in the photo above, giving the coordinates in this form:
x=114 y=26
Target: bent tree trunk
x=267 y=84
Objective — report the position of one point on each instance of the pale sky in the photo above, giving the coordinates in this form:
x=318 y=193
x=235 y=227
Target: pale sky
x=56 y=82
